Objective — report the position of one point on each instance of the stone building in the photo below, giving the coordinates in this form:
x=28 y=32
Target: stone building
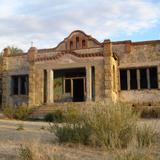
x=82 y=69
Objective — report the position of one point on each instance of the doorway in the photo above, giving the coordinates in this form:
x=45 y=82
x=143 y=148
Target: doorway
x=78 y=90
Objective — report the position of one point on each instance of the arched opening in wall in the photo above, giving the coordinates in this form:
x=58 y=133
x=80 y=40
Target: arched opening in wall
x=71 y=44
x=114 y=78
x=77 y=42
x=83 y=43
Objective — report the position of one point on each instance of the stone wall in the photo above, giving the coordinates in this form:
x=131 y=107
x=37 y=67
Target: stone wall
x=139 y=55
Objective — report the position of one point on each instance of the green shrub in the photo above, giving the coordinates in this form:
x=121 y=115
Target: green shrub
x=110 y=126
x=9 y=112
x=62 y=116
x=150 y=112
x=72 y=114
x=146 y=136
x=56 y=116
x=72 y=133
x=19 y=112
x=22 y=112
x=135 y=155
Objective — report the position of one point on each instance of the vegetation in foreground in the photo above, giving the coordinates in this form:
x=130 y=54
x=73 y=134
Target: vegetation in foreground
x=18 y=112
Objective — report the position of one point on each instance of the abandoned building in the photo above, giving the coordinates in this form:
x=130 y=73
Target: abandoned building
x=81 y=69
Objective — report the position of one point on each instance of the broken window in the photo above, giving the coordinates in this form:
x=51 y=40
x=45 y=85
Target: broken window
x=123 y=79
x=133 y=79
x=153 y=77
x=19 y=85
x=143 y=78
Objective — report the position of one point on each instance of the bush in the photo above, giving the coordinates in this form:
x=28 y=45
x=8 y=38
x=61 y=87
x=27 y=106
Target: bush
x=109 y=126
x=9 y=112
x=146 y=136
x=72 y=133
x=18 y=112
x=69 y=115
x=56 y=116
x=150 y=112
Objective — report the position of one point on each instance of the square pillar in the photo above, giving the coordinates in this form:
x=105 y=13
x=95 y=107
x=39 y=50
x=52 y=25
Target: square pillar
x=50 y=86
x=88 y=83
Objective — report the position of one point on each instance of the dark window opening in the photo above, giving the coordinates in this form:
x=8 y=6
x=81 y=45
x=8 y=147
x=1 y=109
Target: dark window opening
x=143 y=78
x=24 y=85
x=153 y=77
x=19 y=85
x=93 y=83
x=83 y=43
x=133 y=79
x=78 y=90
x=77 y=42
x=15 y=85
x=71 y=45
x=123 y=79
x=67 y=85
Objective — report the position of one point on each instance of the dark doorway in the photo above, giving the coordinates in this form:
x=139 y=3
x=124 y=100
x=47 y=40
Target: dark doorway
x=78 y=90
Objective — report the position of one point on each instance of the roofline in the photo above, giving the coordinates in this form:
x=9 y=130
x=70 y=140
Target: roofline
x=136 y=43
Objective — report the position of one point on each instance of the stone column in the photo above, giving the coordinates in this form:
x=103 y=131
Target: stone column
x=32 y=76
x=108 y=77
x=5 y=78
x=50 y=86
x=138 y=79
x=128 y=80
x=89 y=83
x=148 y=79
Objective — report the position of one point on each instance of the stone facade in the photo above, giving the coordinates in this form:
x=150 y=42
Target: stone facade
x=102 y=63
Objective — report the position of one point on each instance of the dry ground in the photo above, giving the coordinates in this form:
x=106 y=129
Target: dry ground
x=11 y=139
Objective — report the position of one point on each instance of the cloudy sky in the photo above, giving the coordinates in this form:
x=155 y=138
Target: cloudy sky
x=47 y=22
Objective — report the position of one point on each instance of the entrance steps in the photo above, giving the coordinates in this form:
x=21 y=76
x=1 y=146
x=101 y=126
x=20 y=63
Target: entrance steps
x=40 y=111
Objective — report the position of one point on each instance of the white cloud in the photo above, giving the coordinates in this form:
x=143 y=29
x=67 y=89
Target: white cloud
x=47 y=22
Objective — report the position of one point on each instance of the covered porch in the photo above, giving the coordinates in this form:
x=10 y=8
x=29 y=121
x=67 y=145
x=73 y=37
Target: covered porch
x=69 y=85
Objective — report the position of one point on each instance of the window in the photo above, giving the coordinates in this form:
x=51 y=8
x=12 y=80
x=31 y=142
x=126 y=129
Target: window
x=77 y=42
x=153 y=77
x=133 y=79
x=23 y=85
x=19 y=85
x=71 y=45
x=83 y=43
x=148 y=78
x=67 y=85
x=143 y=78
x=123 y=79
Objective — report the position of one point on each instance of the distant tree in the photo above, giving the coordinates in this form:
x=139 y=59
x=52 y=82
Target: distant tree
x=15 y=50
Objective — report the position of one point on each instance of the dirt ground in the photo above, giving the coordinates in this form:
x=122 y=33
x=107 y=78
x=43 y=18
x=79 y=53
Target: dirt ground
x=11 y=138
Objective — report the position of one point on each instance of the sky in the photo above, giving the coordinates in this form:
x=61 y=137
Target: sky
x=47 y=22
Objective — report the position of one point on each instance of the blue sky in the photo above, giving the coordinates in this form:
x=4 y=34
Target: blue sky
x=47 y=22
